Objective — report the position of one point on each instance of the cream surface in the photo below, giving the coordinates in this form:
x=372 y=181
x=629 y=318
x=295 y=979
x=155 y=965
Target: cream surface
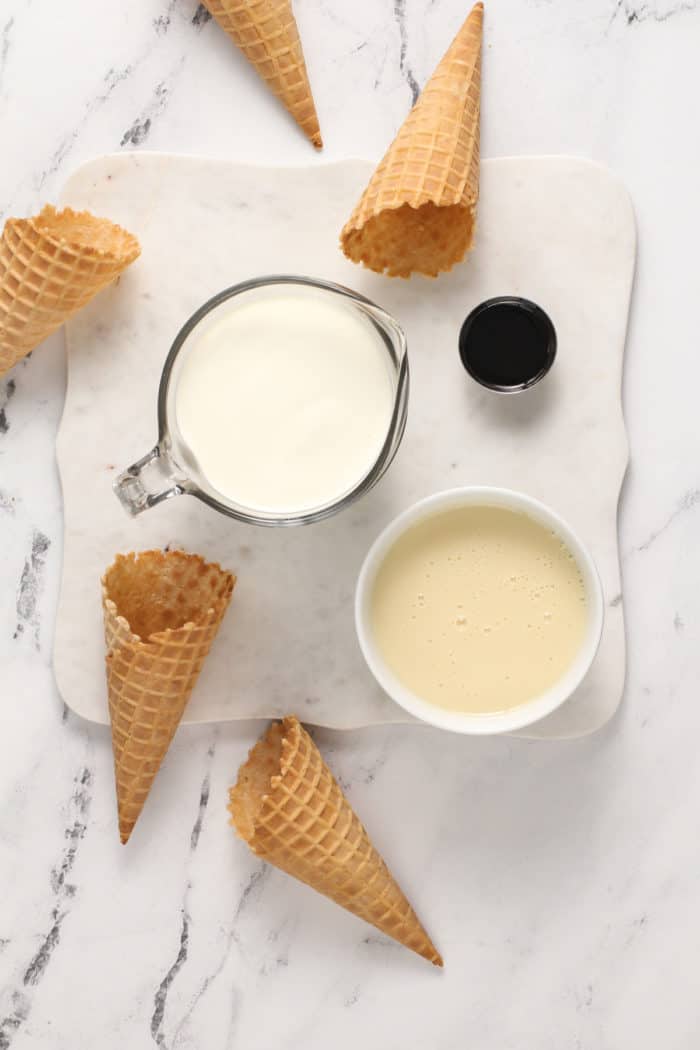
x=285 y=401
x=479 y=609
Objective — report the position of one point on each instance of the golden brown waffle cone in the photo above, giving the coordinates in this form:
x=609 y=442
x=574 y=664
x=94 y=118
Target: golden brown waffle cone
x=161 y=612
x=289 y=809
x=267 y=34
x=418 y=212
x=50 y=266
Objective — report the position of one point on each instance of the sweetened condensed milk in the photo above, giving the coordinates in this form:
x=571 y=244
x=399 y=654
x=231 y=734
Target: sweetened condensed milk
x=479 y=609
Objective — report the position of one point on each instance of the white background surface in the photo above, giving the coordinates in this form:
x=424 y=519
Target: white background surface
x=559 y=880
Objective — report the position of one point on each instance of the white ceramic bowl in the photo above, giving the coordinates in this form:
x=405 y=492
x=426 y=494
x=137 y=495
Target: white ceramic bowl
x=457 y=721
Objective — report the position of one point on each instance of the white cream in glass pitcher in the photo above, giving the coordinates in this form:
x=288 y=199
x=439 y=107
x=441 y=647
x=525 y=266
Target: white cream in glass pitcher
x=282 y=400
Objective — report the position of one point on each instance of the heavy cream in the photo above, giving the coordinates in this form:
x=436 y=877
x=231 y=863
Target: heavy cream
x=285 y=401
x=479 y=609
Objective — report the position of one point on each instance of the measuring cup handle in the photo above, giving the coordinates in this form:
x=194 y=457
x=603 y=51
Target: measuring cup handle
x=147 y=482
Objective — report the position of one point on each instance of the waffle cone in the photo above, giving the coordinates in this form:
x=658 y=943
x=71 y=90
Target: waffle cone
x=50 y=266
x=161 y=614
x=290 y=810
x=418 y=213
x=267 y=34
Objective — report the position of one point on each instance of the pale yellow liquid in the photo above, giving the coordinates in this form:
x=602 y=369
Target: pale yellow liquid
x=479 y=609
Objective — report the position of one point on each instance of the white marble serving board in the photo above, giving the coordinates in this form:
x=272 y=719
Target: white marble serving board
x=557 y=230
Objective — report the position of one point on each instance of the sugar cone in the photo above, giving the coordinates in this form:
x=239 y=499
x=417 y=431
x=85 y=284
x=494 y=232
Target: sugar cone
x=161 y=613
x=50 y=266
x=267 y=34
x=418 y=212
x=290 y=810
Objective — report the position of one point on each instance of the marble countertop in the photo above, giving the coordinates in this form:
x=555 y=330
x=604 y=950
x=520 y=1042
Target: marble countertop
x=558 y=879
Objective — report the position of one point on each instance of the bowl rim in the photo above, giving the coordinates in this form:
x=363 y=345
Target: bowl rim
x=458 y=721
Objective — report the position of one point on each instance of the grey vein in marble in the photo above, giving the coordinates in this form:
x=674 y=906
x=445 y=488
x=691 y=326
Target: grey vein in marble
x=201 y=17
x=203 y=803
x=7 y=503
x=250 y=894
x=161 y=996
x=31 y=585
x=6 y=396
x=10 y=1024
x=5 y=36
x=63 y=893
x=137 y=134
x=369 y=771
x=353 y=997
x=252 y=890
x=164 y=987
x=378 y=940
x=688 y=501
x=162 y=23
x=651 y=11
x=381 y=68
x=406 y=71
x=112 y=79
x=280 y=955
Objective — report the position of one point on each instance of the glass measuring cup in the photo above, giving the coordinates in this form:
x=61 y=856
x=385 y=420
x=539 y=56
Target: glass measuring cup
x=170 y=468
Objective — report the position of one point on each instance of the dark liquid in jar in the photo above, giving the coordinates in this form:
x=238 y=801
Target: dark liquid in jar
x=507 y=344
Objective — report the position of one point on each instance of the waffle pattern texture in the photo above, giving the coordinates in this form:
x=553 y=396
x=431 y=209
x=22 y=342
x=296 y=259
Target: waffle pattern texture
x=161 y=613
x=290 y=810
x=418 y=212
x=50 y=266
x=267 y=34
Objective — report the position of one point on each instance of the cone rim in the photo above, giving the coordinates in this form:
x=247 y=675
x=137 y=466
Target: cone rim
x=353 y=226
x=59 y=242
x=210 y=613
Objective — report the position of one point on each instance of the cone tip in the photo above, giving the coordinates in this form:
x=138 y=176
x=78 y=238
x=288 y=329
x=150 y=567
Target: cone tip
x=426 y=949
x=475 y=16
